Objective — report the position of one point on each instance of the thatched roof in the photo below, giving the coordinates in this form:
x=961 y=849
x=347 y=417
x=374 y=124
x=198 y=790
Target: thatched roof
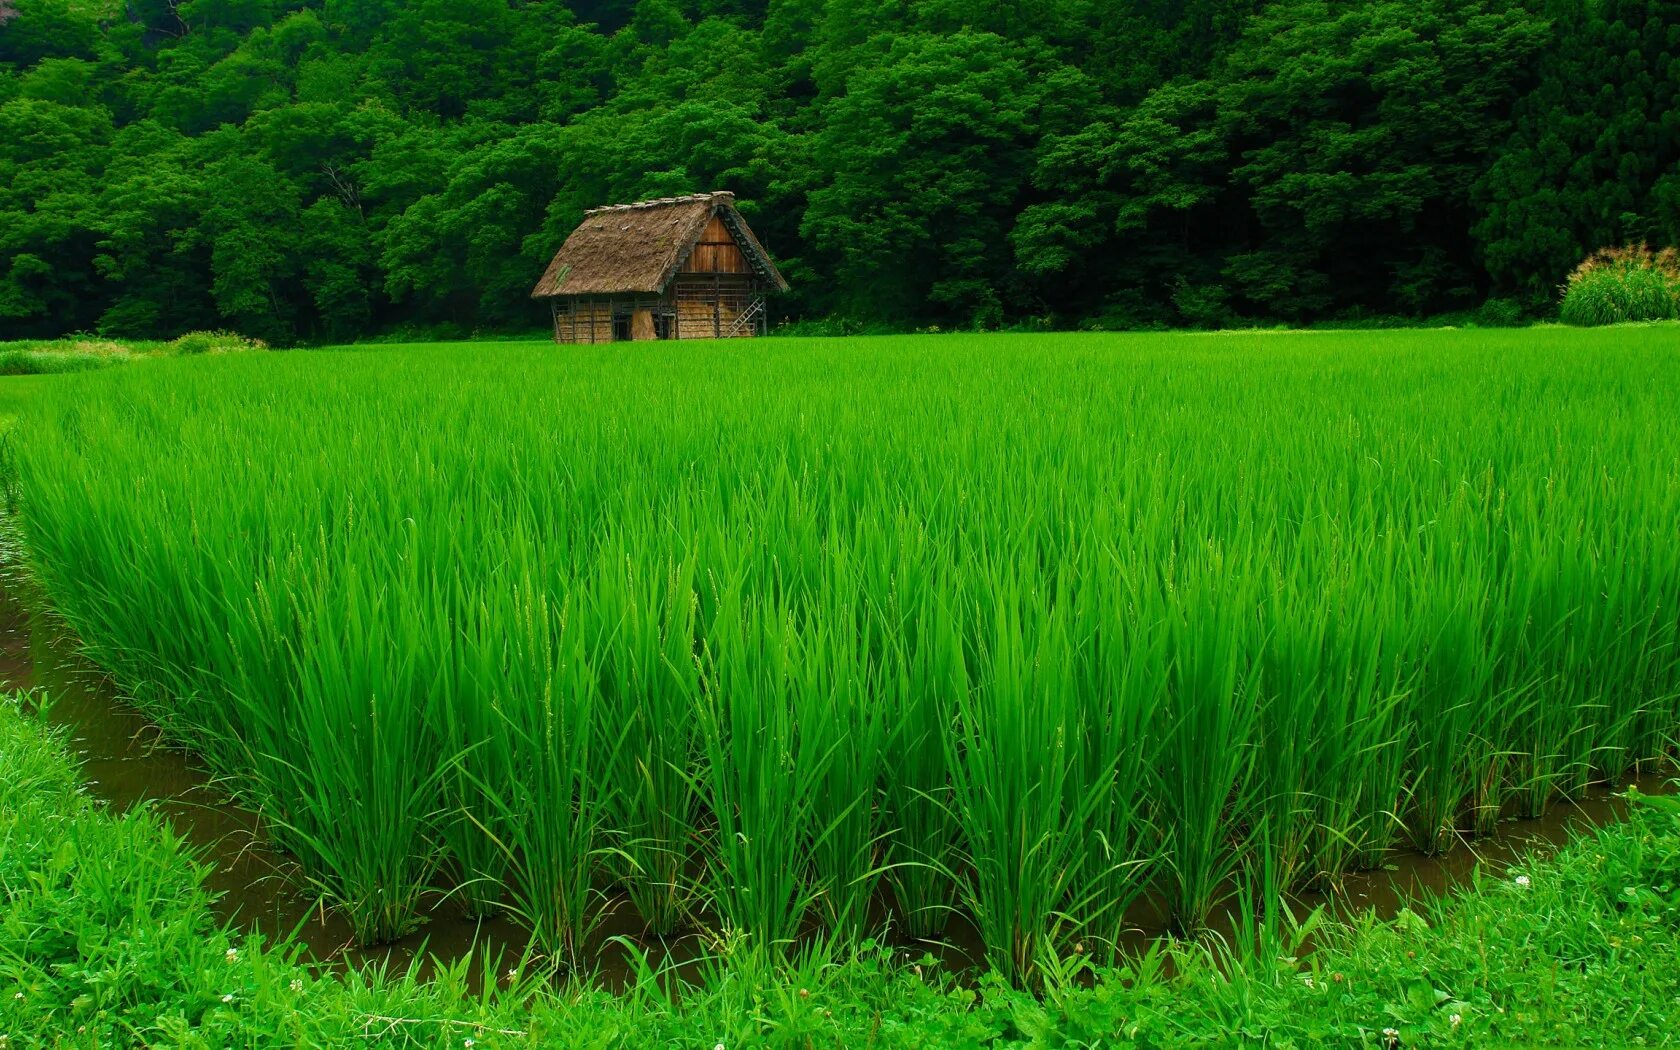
x=638 y=247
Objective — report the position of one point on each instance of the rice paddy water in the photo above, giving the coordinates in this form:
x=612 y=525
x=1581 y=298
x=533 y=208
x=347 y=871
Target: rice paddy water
x=1025 y=627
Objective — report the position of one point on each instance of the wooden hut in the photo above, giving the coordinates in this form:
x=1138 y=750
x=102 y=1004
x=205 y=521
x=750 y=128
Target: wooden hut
x=673 y=268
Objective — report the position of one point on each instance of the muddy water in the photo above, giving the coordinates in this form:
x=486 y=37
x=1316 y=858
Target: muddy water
x=260 y=889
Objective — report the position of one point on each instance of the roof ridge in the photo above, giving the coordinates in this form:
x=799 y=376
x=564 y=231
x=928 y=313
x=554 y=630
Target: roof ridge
x=660 y=202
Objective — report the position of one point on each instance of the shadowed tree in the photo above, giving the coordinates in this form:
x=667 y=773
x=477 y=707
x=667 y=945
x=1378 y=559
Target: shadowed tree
x=1594 y=157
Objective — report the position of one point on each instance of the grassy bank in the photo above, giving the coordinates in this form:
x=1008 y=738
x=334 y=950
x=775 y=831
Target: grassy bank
x=106 y=939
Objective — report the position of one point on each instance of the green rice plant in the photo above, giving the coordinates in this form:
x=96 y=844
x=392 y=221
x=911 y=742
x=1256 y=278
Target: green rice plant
x=754 y=779
x=1208 y=729
x=838 y=701
x=922 y=689
x=362 y=804
x=1441 y=711
x=650 y=693
x=1616 y=285
x=555 y=802
x=1014 y=753
x=1626 y=657
x=1551 y=617
x=1027 y=626
x=468 y=717
x=1329 y=760
x=1360 y=760
x=1292 y=736
x=1120 y=685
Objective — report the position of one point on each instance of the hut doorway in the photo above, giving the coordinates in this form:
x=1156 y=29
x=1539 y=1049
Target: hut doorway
x=621 y=328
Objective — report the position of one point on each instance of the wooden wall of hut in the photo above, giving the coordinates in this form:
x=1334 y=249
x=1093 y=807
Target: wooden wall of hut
x=716 y=251
x=707 y=306
x=697 y=306
x=584 y=321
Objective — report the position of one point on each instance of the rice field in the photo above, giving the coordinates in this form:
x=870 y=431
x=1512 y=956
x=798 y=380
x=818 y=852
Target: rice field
x=782 y=640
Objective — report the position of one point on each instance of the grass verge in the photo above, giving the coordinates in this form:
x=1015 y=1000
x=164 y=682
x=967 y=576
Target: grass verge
x=106 y=939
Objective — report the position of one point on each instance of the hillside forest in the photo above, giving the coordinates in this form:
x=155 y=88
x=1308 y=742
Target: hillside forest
x=323 y=170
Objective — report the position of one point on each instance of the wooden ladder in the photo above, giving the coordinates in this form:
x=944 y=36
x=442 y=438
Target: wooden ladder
x=746 y=317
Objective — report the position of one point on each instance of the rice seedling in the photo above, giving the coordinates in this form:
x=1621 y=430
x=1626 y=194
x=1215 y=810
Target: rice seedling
x=1023 y=813
x=1121 y=688
x=842 y=730
x=468 y=720
x=1208 y=732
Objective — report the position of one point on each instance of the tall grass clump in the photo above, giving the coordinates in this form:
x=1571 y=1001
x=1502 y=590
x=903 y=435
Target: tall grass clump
x=1631 y=283
x=801 y=643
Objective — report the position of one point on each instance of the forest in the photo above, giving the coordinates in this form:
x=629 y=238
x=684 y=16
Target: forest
x=307 y=171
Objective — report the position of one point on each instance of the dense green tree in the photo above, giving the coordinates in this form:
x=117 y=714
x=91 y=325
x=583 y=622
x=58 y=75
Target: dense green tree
x=323 y=169
x=151 y=259
x=31 y=30
x=458 y=252
x=1324 y=165
x=1594 y=157
x=51 y=155
x=252 y=273
x=1357 y=131
x=927 y=152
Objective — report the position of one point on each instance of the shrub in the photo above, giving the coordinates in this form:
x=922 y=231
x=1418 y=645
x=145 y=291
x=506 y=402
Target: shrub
x=1615 y=285
x=1202 y=305
x=214 y=343
x=1499 y=313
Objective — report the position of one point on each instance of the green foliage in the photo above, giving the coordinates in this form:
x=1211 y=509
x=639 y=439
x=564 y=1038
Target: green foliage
x=1593 y=155
x=335 y=170
x=920 y=611
x=953 y=116
x=19 y=362
x=1330 y=139
x=1500 y=313
x=212 y=343
x=1616 y=285
x=43 y=29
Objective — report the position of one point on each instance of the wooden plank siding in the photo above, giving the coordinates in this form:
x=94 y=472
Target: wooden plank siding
x=583 y=321
x=716 y=251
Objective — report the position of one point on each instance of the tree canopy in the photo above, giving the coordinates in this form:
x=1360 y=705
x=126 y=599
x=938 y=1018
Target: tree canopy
x=328 y=169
